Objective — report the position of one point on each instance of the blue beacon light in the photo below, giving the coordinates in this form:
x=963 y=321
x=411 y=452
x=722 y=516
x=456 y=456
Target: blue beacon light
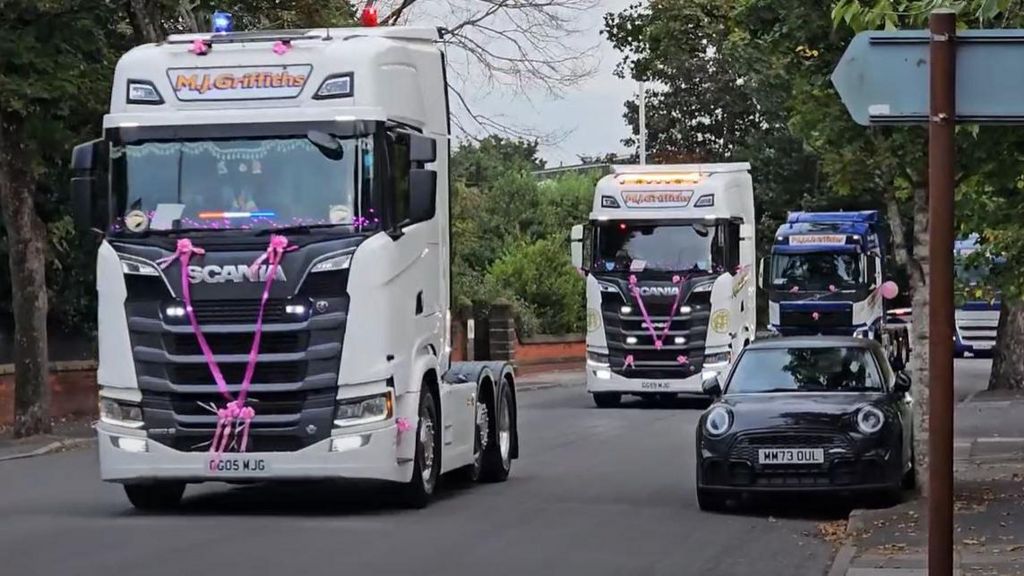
x=222 y=22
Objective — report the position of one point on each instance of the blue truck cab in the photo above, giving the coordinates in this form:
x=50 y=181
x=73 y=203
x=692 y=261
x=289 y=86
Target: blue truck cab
x=824 y=275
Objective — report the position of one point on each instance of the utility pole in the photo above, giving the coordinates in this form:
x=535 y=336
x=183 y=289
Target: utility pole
x=643 y=124
x=941 y=184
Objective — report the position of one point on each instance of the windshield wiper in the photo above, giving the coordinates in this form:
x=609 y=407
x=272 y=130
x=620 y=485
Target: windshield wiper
x=297 y=228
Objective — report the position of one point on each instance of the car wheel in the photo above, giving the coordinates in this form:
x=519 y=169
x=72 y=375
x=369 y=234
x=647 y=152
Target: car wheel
x=909 y=481
x=497 y=456
x=154 y=497
x=607 y=399
x=427 y=462
x=710 y=502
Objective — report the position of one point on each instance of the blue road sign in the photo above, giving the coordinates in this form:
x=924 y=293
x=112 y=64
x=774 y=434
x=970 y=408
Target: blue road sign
x=882 y=77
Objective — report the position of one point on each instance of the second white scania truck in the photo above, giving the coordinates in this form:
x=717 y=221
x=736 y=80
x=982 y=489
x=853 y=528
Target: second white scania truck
x=668 y=254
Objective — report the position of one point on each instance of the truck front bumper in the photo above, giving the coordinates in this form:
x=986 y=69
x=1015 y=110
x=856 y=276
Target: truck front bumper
x=604 y=380
x=362 y=454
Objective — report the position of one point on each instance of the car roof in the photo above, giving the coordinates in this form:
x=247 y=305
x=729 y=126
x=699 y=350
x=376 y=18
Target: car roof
x=816 y=341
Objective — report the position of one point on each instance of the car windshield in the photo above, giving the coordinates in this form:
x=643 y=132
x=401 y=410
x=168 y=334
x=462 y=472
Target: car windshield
x=817 y=271
x=629 y=247
x=837 y=369
x=240 y=184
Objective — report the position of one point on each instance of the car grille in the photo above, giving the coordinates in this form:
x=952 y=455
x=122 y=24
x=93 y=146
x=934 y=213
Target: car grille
x=237 y=343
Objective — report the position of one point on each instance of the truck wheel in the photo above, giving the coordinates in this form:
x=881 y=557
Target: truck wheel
x=427 y=463
x=496 y=457
x=607 y=399
x=709 y=502
x=481 y=440
x=153 y=497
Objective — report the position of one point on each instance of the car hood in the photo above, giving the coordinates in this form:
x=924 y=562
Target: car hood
x=799 y=409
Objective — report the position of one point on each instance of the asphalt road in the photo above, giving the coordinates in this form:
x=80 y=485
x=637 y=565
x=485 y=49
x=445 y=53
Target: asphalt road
x=597 y=492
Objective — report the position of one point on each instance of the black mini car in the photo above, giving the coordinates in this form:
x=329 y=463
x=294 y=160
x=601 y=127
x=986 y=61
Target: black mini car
x=806 y=414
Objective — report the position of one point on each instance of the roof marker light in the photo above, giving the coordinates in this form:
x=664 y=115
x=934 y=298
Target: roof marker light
x=222 y=22
x=369 y=16
x=705 y=201
x=659 y=179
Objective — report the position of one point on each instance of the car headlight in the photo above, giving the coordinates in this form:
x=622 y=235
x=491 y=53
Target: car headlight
x=363 y=410
x=870 y=420
x=718 y=422
x=120 y=413
x=340 y=262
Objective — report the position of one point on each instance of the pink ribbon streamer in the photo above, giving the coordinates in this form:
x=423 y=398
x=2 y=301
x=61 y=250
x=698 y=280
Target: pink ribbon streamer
x=658 y=340
x=235 y=419
x=628 y=362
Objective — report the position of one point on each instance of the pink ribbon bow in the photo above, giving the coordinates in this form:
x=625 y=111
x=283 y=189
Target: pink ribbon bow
x=235 y=419
x=628 y=362
x=282 y=47
x=683 y=360
x=199 y=47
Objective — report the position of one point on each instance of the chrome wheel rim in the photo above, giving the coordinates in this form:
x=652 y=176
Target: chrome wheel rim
x=504 y=430
x=427 y=448
x=483 y=425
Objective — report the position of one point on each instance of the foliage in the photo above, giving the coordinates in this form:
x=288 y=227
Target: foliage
x=509 y=235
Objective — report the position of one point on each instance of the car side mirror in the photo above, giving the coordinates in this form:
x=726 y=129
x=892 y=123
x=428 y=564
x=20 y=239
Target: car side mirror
x=712 y=386
x=576 y=246
x=422 y=195
x=902 y=384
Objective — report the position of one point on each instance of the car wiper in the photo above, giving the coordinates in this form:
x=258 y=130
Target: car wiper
x=770 y=390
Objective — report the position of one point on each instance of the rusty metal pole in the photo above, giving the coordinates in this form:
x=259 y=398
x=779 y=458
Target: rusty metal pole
x=941 y=183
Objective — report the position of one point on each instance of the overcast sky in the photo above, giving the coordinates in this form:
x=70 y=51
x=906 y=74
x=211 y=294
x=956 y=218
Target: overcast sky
x=591 y=114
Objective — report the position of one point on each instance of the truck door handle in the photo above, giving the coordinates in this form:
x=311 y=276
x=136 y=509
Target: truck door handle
x=419 y=303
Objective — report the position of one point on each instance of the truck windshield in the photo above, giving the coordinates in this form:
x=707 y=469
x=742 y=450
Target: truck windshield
x=838 y=369
x=622 y=246
x=817 y=271
x=250 y=183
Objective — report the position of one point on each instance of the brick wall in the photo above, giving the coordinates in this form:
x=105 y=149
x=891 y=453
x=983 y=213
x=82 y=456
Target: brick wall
x=72 y=386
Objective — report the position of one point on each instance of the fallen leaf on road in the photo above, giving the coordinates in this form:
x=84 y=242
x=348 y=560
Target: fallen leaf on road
x=1015 y=547
x=973 y=542
x=893 y=548
x=832 y=531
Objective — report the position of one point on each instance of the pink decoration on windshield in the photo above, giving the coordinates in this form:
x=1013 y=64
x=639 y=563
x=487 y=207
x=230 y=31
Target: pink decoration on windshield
x=199 y=47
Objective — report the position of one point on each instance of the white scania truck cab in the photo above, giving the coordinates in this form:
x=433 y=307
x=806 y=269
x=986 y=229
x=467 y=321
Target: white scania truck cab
x=337 y=140
x=668 y=254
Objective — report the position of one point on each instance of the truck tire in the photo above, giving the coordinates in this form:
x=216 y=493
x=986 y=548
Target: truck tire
x=496 y=458
x=155 y=497
x=426 y=469
x=607 y=399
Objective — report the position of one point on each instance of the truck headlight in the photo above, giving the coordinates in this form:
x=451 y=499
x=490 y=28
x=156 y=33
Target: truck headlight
x=138 y=268
x=120 y=413
x=870 y=420
x=717 y=360
x=718 y=422
x=341 y=262
x=359 y=411
x=597 y=360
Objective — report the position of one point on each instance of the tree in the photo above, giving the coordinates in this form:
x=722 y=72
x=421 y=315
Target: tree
x=54 y=78
x=990 y=162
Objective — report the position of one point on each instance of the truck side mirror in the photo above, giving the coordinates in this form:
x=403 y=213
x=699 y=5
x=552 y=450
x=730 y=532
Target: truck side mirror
x=576 y=246
x=84 y=160
x=422 y=149
x=712 y=386
x=422 y=194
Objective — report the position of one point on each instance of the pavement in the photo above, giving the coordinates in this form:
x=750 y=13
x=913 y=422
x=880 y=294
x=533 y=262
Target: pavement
x=988 y=496
x=597 y=492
